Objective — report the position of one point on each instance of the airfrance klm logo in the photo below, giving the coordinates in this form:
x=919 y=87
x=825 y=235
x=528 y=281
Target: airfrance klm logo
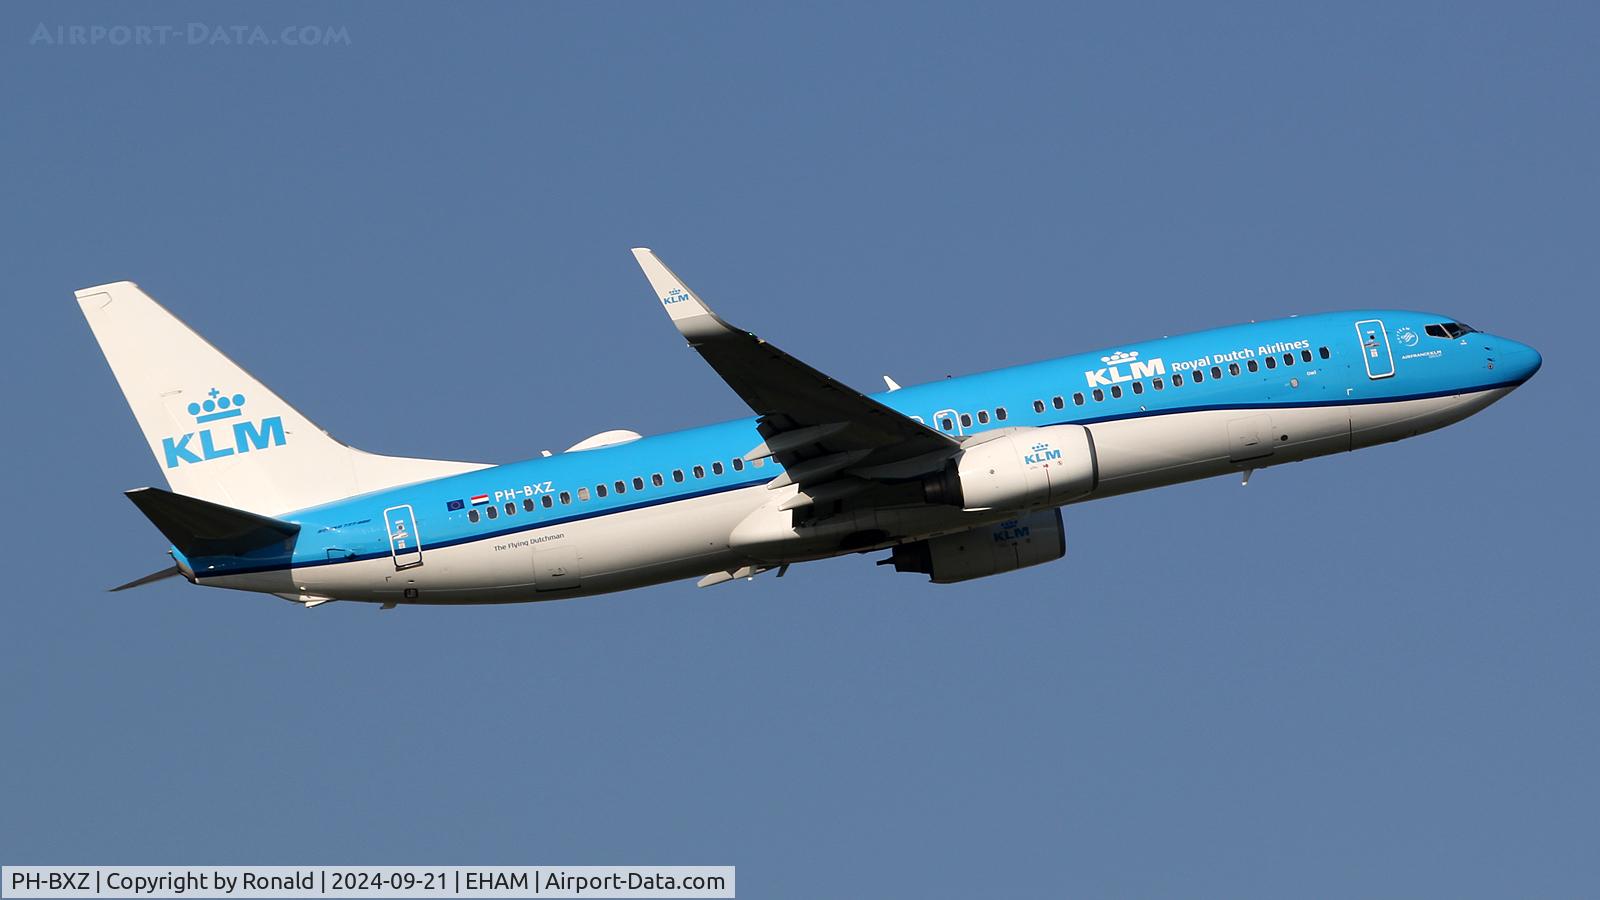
x=1040 y=455
x=215 y=442
x=1114 y=372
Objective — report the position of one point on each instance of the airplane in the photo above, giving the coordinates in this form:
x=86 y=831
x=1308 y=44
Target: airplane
x=956 y=479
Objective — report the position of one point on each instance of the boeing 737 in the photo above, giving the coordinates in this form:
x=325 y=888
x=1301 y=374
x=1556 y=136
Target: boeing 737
x=957 y=479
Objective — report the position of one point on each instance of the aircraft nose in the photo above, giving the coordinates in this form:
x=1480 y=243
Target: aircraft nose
x=1520 y=360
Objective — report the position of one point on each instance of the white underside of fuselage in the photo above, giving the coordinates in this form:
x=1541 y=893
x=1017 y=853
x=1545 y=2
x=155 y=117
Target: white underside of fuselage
x=695 y=537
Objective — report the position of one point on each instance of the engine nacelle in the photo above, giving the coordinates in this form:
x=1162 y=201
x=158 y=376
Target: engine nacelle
x=1025 y=468
x=1010 y=545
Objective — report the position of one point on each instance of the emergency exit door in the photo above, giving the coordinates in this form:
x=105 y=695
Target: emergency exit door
x=404 y=544
x=1375 y=350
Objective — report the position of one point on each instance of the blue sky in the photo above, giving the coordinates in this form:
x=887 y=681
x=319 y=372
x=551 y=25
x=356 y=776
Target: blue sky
x=1368 y=675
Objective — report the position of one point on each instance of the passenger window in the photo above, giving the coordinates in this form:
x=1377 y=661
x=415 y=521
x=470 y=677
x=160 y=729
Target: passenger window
x=738 y=464
x=511 y=509
x=1158 y=384
x=566 y=498
x=1000 y=413
x=638 y=483
x=527 y=505
x=657 y=480
x=966 y=421
x=491 y=512
x=1058 y=403
x=1077 y=399
x=1272 y=362
x=472 y=516
x=1177 y=380
x=1233 y=368
x=677 y=476
x=1323 y=352
x=947 y=423
x=1099 y=395
x=599 y=490
x=1305 y=356
x=1216 y=372
x=1288 y=359
x=546 y=501
x=583 y=494
x=621 y=487
x=1116 y=392
x=1038 y=406
x=1138 y=387
x=699 y=471
x=983 y=417
x=1197 y=376
x=716 y=467
x=1252 y=365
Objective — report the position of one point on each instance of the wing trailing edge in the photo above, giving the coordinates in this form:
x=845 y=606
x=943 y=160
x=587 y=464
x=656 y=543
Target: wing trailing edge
x=817 y=427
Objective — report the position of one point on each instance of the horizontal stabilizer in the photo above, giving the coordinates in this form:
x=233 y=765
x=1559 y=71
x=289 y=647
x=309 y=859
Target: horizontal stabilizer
x=200 y=528
x=168 y=572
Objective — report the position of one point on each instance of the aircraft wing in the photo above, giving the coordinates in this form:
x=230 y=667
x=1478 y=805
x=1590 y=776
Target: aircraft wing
x=826 y=434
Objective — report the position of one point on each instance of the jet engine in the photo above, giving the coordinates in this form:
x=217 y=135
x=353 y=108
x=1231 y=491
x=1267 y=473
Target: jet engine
x=1013 y=544
x=1018 y=469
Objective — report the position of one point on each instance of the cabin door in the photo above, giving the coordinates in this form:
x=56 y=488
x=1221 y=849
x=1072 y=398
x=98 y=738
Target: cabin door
x=404 y=544
x=1375 y=350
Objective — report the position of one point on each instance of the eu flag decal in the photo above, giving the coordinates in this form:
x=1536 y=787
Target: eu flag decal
x=454 y=505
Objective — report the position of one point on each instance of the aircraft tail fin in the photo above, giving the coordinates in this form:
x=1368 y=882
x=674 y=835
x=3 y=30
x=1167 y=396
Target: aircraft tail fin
x=219 y=434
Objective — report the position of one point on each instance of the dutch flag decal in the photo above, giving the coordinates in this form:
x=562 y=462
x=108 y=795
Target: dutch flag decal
x=480 y=499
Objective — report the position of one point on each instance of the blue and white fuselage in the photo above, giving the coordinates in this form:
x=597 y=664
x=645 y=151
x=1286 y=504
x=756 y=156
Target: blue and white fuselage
x=821 y=471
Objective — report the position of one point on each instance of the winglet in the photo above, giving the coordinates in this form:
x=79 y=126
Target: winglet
x=693 y=318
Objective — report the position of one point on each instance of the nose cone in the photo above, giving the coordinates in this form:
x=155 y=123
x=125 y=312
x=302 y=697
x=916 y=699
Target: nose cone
x=1520 y=360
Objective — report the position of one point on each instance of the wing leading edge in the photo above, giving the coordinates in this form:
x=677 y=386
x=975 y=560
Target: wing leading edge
x=826 y=434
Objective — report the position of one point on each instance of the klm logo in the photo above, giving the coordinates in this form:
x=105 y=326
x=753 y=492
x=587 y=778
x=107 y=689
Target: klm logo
x=1040 y=455
x=1011 y=530
x=676 y=295
x=215 y=442
x=1114 y=372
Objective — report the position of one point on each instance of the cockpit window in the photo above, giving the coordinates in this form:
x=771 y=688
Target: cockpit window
x=1451 y=330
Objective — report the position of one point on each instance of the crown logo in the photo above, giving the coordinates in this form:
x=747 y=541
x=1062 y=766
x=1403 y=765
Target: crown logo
x=217 y=406
x=1040 y=448
x=1121 y=356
